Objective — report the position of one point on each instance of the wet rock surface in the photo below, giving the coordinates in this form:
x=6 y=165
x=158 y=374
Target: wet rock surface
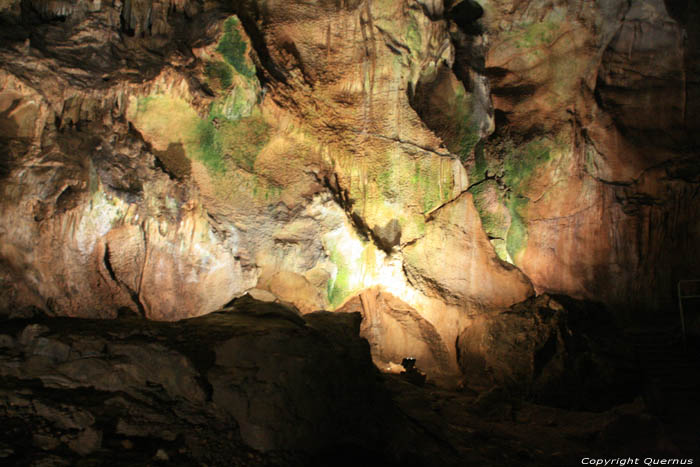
x=425 y=163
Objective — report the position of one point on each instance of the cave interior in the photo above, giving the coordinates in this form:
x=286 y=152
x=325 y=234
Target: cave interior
x=349 y=232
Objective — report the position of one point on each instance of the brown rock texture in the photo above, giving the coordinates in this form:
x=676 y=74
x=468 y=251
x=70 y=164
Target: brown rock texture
x=252 y=385
x=587 y=183
x=554 y=350
x=478 y=276
x=168 y=157
x=395 y=331
x=258 y=385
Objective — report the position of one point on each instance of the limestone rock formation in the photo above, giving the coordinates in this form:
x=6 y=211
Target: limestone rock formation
x=266 y=149
x=396 y=331
x=168 y=157
x=554 y=350
x=252 y=385
x=577 y=184
x=478 y=276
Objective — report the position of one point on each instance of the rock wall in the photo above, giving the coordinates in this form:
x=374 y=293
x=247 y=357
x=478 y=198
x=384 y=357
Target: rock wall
x=248 y=386
x=554 y=350
x=588 y=183
x=168 y=157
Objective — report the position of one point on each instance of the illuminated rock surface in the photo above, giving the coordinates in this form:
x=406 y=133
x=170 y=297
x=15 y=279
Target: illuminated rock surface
x=426 y=163
x=241 y=149
x=246 y=152
x=587 y=177
x=292 y=163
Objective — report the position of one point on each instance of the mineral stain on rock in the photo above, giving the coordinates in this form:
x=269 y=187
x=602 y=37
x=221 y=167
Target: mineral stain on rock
x=450 y=170
x=174 y=161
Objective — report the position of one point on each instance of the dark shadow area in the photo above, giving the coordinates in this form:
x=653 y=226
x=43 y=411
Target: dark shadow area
x=466 y=15
x=144 y=392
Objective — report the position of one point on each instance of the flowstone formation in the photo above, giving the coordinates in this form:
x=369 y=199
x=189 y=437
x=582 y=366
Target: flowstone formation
x=423 y=162
x=586 y=183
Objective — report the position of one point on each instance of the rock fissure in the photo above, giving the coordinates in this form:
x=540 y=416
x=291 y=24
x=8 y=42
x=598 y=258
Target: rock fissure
x=401 y=141
x=415 y=162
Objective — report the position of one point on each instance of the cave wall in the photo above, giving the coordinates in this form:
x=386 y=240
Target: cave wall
x=589 y=182
x=445 y=160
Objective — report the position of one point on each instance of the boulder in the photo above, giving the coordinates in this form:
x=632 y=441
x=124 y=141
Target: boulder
x=551 y=349
x=236 y=387
x=397 y=331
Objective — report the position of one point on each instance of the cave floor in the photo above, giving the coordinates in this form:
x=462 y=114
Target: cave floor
x=432 y=425
x=493 y=428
